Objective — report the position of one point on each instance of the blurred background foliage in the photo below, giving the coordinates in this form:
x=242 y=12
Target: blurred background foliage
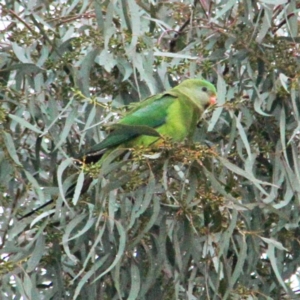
x=218 y=219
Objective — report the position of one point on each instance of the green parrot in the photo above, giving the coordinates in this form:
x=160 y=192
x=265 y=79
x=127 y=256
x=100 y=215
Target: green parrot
x=170 y=115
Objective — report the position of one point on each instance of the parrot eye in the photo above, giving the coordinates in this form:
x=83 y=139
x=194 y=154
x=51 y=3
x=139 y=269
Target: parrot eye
x=204 y=89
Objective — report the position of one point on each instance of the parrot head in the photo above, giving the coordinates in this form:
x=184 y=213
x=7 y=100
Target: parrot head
x=201 y=92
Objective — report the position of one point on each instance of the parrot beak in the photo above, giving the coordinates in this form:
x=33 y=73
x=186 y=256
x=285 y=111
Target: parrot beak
x=213 y=100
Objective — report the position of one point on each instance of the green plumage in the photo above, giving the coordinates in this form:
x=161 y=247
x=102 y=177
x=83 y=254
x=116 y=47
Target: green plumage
x=173 y=114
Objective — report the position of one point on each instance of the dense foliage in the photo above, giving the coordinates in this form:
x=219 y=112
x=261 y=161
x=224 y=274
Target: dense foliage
x=216 y=219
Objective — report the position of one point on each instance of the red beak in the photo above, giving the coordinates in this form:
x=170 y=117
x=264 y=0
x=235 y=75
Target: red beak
x=213 y=100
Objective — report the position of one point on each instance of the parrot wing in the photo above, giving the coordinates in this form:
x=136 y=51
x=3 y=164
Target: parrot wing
x=141 y=120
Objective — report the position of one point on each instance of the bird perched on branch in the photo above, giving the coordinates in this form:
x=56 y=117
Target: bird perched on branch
x=172 y=115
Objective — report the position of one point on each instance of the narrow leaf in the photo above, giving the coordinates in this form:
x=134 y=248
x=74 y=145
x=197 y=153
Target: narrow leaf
x=24 y=123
